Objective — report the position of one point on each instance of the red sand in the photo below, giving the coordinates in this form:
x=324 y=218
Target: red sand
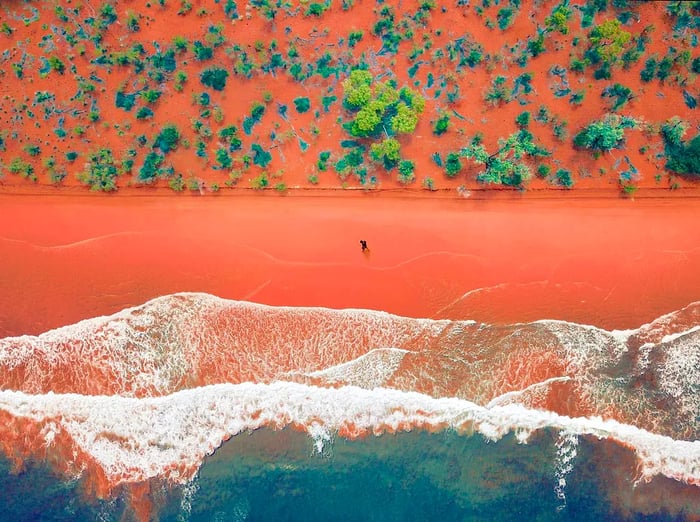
x=612 y=263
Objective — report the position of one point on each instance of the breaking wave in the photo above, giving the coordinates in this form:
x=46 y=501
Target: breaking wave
x=149 y=393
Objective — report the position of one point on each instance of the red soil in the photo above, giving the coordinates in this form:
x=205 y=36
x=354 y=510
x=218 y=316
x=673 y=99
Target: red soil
x=612 y=263
x=31 y=40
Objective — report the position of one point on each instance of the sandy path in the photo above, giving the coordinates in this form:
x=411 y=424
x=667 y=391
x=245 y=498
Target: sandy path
x=613 y=263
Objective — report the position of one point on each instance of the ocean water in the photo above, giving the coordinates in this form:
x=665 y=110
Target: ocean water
x=192 y=407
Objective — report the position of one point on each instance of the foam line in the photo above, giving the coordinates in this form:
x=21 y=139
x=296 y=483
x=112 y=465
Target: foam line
x=132 y=440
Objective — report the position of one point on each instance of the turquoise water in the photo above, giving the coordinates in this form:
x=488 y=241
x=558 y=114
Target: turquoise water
x=278 y=475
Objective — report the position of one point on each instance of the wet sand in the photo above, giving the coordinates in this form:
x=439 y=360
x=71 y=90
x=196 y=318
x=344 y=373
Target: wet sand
x=609 y=262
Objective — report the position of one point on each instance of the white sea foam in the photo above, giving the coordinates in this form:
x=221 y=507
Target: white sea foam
x=370 y=370
x=672 y=337
x=514 y=397
x=136 y=439
x=567 y=444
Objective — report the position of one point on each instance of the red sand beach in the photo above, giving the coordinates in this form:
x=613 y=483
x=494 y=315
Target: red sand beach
x=609 y=262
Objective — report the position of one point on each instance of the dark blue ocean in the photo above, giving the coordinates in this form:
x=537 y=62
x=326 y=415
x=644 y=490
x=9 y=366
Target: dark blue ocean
x=416 y=476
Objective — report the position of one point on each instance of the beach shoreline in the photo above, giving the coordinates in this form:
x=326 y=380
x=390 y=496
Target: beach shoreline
x=492 y=260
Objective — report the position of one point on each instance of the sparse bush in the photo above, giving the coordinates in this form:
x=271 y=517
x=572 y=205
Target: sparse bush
x=406 y=171
x=605 y=134
x=150 y=95
x=202 y=52
x=144 y=113
x=214 y=77
x=386 y=152
x=441 y=125
x=453 y=165
x=523 y=119
x=168 y=139
x=101 y=172
x=354 y=37
x=564 y=178
x=56 y=64
x=260 y=182
x=302 y=104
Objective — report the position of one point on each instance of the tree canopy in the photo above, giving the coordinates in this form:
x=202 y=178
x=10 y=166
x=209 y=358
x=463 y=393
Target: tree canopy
x=214 y=77
x=605 y=134
x=506 y=166
x=380 y=106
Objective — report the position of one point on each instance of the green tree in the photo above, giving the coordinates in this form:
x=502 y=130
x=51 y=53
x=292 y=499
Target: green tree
x=406 y=171
x=453 y=165
x=441 y=125
x=379 y=106
x=168 y=139
x=559 y=19
x=605 y=134
x=150 y=168
x=56 y=64
x=223 y=158
x=302 y=104
x=387 y=152
x=506 y=166
x=261 y=157
x=214 y=77
x=608 y=41
x=201 y=51
x=101 y=172
x=405 y=120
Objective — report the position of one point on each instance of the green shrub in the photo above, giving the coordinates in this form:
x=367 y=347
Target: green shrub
x=125 y=101
x=315 y=9
x=564 y=178
x=101 y=172
x=144 y=113
x=605 y=134
x=354 y=37
x=441 y=125
x=56 y=64
x=150 y=95
x=149 y=170
x=25 y=169
x=223 y=158
x=261 y=157
x=386 y=152
x=214 y=77
x=202 y=52
x=453 y=165
x=302 y=104
x=406 y=171
x=523 y=119
x=32 y=150
x=260 y=182
x=168 y=139
x=505 y=17
x=620 y=95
